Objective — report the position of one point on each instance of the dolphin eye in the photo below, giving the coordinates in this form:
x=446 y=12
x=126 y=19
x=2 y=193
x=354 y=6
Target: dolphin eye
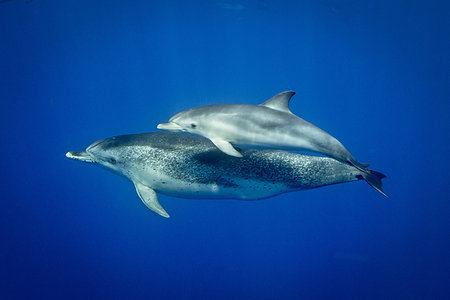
x=112 y=160
x=193 y=125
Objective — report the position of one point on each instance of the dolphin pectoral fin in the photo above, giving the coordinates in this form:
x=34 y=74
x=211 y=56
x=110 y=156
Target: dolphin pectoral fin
x=225 y=147
x=280 y=102
x=148 y=196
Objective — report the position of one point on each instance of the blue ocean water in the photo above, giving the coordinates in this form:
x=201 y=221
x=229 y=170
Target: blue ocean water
x=375 y=74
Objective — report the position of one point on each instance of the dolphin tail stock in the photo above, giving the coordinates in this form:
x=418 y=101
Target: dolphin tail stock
x=374 y=179
x=360 y=166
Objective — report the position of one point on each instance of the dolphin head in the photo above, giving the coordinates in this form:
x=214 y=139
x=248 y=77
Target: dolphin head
x=189 y=121
x=107 y=153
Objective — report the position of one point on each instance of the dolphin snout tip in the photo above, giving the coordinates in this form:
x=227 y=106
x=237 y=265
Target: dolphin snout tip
x=169 y=126
x=80 y=155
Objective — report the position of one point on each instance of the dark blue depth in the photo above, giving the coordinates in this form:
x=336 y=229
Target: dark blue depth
x=374 y=74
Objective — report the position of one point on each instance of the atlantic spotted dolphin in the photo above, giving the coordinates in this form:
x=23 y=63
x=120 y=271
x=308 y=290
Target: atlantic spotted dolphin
x=268 y=125
x=188 y=167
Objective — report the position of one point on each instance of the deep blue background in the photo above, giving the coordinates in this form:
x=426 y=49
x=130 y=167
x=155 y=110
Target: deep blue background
x=373 y=74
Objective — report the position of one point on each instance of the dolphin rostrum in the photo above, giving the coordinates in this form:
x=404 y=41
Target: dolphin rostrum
x=268 y=125
x=188 y=167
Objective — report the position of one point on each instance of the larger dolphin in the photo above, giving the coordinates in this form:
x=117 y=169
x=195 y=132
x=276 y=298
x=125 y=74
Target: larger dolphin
x=268 y=125
x=188 y=167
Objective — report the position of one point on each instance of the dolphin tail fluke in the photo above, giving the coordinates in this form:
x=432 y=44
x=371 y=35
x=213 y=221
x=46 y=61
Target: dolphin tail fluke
x=374 y=179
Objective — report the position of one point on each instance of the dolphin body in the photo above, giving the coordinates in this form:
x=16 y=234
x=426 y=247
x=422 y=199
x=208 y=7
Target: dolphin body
x=268 y=125
x=188 y=167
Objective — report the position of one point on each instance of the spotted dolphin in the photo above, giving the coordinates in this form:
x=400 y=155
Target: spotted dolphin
x=188 y=167
x=268 y=125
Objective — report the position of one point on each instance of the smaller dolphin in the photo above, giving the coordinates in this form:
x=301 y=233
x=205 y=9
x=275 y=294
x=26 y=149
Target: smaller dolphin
x=188 y=167
x=268 y=125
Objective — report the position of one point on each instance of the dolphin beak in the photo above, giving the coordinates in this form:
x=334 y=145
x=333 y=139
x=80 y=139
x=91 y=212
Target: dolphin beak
x=170 y=126
x=80 y=155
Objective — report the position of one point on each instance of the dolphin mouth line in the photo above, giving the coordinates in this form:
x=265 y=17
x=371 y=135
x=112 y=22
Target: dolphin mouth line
x=172 y=126
x=80 y=155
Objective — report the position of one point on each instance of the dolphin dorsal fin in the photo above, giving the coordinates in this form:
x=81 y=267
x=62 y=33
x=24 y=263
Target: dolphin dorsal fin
x=280 y=102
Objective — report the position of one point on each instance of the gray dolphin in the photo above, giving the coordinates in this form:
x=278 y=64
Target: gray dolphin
x=188 y=167
x=268 y=125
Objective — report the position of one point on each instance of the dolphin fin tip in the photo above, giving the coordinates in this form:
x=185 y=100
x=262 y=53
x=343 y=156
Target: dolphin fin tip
x=150 y=199
x=280 y=101
x=225 y=147
x=373 y=178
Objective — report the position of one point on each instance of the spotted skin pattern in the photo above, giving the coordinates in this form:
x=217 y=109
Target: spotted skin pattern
x=193 y=163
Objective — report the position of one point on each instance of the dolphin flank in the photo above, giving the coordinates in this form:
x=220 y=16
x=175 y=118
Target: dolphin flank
x=188 y=167
x=268 y=125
